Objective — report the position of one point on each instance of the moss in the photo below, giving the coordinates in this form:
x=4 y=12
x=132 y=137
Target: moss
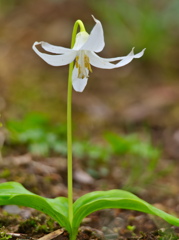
x=5 y=173
x=38 y=224
x=4 y=236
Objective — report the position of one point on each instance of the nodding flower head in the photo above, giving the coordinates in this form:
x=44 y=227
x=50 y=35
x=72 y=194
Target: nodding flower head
x=84 y=54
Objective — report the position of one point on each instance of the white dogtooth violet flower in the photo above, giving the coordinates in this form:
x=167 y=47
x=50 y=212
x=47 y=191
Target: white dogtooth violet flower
x=84 y=53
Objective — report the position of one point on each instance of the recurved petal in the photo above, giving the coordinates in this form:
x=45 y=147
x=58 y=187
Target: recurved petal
x=79 y=84
x=138 y=55
x=54 y=49
x=104 y=63
x=55 y=60
x=119 y=58
x=95 y=40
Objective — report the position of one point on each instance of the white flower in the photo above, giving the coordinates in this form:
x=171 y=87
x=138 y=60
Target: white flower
x=84 y=54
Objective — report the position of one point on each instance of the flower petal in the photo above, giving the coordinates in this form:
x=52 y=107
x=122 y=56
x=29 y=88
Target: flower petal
x=80 y=40
x=138 y=55
x=54 y=49
x=55 y=60
x=95 y=40
x=104 y=63
x=79 y=84
x=99 y=62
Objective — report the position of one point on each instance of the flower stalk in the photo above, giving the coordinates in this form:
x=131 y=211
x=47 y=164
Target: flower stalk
x=83 y=51
x=77 y=24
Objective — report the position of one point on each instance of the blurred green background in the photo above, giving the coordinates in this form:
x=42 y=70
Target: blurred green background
x=139 y=91
x=141 y=97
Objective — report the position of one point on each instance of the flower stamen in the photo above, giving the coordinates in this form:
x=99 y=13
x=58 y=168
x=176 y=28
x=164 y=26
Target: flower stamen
x=76 y=62
x=83 y=65
x=87 y=63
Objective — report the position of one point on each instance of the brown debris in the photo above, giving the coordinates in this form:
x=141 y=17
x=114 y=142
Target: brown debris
x=53 y=235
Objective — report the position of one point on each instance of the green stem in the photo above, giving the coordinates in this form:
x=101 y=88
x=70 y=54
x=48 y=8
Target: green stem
x=69 y=125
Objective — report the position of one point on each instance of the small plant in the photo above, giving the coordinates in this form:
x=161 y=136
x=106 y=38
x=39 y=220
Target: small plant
x=68 y=214
x=131 y=229
x=36 y=132
x=132 y=149
x=41 y=138
x=167 y=234
x=4 y=236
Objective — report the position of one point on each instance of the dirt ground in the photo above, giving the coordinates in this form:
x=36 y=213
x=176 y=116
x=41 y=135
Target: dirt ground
x=46 y=177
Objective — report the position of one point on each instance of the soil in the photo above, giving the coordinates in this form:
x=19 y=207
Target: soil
x=148 y=103
x=40 y=174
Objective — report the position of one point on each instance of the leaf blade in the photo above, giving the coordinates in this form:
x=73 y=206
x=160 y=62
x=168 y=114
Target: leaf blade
x=92 y=202
x=14 y=193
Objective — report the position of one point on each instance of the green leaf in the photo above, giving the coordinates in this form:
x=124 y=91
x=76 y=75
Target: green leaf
x=14 y=193
x=94 y=201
